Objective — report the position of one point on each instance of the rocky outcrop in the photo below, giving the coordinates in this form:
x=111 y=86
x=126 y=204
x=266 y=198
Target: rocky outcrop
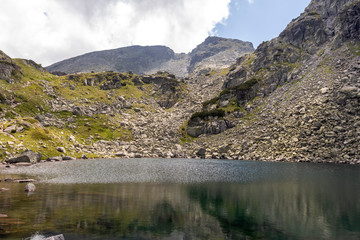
x=197 y=127
x=216 y=52
x=305 y=103
x=9 y=71
x=26 y=157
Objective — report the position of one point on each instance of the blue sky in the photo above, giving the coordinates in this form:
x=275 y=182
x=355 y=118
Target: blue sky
x=58 y=29
x=259 y=20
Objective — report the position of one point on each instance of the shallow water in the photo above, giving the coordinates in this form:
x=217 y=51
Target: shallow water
x=183 y=199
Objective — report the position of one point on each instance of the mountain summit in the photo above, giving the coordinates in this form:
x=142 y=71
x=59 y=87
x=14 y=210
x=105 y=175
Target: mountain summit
x=214 y=52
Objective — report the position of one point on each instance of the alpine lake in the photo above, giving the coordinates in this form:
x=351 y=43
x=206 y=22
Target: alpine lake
x=182 y=199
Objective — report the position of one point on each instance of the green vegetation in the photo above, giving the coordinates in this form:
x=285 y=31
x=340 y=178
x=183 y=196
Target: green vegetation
x=232 y=106
x=354 y=48
x=33 y=95
x=241 y=87
x=205 y=114
x=212 y=101
x=185 y=138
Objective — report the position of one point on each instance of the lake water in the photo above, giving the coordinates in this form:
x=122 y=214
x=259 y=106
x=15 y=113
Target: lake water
x=183 y=199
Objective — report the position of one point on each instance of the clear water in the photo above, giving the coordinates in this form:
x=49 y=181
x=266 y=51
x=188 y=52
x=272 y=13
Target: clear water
x=183 y=199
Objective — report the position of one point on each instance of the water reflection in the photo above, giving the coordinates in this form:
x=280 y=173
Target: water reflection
x=283 y=202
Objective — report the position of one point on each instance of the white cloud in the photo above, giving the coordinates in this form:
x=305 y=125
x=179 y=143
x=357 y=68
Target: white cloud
x=51 y=30
x=251 y=1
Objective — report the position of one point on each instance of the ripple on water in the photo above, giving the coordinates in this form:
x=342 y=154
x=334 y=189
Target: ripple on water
x=161 y=170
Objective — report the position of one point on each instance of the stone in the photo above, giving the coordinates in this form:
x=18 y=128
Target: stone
x=56 y=159
x=67 y=158
x=61 y=149
x=30 y=187
x=201 y=152
x=19 y=159
x=10 y=129
x=324 y=90
x=33 y=156
x=57 y=237
x=121 y=154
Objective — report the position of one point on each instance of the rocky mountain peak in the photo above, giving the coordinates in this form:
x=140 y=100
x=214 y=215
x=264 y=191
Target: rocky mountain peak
x=214 y=52
x=218 y=51
x=321 y=22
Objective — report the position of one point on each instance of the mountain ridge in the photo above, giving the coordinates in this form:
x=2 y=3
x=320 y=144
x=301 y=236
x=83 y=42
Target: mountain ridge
x=219 y=52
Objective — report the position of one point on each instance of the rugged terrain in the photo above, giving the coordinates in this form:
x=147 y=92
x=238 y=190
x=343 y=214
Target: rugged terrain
x=295 y=98
x=214 y=52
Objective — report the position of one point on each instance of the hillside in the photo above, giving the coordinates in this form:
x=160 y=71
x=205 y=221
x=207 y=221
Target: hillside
x=215 y=52
x=295 y=98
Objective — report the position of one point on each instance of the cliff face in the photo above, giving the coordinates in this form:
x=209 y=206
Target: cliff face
x=9 y=71
x=215 y=52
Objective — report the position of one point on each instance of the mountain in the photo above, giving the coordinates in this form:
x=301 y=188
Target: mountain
x=215 y=52
x=295 y=98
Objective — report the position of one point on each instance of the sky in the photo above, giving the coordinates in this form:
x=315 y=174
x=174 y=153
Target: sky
x=48 y=31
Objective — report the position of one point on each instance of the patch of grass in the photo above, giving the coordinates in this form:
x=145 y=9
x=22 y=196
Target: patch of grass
x=210 y=102
x=231 y=107
x=185 y=138
x=205 y=114
x=224 y=71
x=31 y=73
x=250 y=60
x=40 y=134
x=102 y=126
x=241 y=87
x=354 y=48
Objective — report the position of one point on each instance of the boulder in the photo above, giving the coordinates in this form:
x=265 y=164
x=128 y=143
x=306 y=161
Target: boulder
x=30 y=187
x=201 y=152
x=61 y=149
x=18 y=159
x=33 y=156
x=26 y=157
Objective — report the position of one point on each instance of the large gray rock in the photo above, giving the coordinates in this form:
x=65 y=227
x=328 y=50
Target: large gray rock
x=33 y=156
x=26 y=157
x=197 y=127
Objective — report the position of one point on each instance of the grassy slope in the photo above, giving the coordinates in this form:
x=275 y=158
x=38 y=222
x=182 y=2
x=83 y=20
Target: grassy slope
x=26 y=99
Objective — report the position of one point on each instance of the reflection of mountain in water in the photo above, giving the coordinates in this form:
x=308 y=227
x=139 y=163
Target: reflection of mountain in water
x=312 y=203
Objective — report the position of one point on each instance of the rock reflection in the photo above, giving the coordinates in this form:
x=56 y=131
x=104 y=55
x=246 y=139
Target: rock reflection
x=300 y=202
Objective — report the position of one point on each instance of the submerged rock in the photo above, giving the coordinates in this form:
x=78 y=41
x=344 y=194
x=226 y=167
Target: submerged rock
x=57 y=237
x=30 y=187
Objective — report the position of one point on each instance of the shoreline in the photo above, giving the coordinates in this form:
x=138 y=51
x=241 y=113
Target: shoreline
x=330 y=162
